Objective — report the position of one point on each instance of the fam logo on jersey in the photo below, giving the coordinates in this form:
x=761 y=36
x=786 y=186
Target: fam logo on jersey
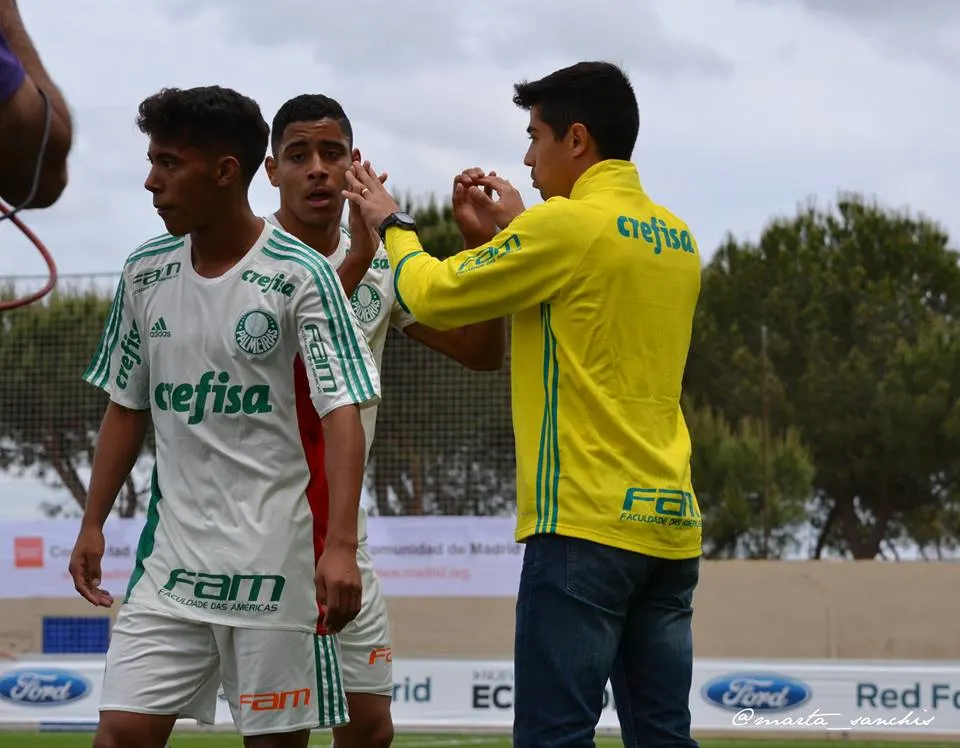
x=366 y=302
x=661 y=506
x=244 y=593
x=146 y=279
x=489 y=255
x=257 y=332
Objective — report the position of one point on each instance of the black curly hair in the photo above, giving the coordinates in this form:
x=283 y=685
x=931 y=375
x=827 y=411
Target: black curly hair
x=211 y=118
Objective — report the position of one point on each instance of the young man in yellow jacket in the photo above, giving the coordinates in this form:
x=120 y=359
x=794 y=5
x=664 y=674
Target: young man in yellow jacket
x=602 y=284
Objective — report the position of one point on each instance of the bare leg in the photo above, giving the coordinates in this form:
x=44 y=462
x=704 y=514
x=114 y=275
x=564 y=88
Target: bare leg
x=130 y=730
x=370 y=723
x=299 y=739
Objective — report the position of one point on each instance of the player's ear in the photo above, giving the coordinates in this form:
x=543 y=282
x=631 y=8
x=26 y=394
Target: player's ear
x=228 y=171
x=355 y=156
x=579 y=138
x=270 y=165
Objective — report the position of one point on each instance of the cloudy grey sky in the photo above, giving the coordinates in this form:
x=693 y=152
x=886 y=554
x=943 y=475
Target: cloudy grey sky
x=748 y=107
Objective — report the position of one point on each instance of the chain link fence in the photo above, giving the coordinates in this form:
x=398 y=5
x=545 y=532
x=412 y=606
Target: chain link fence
x=444 y=441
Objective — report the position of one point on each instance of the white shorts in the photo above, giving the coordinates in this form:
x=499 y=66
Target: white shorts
x=365 y=645
x=274 y=681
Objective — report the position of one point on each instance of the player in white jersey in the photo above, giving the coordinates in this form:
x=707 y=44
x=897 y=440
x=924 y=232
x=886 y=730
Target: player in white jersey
x=236 y=570
x=312 y=148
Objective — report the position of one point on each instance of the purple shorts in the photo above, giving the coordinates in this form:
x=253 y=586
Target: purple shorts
x=11 y=71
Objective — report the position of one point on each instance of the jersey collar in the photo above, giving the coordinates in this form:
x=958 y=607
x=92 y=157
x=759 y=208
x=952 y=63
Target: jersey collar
x=339 y=254
x=610 y=174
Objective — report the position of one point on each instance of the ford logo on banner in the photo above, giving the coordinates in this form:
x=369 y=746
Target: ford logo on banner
x=758 y=691
x=42 y=687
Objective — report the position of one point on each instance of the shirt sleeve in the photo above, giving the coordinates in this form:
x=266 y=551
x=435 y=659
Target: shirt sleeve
x=12 y=73
x=527 y=263
x=400 y=317
x=120 y=366
x=340 y=367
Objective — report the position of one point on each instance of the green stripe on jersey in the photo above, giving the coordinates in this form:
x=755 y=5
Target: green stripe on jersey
x=346 y=367
x=154 y=247
x=335 y=290
x=555 y=436
x=148 y=535
x=396 y=279
x=342 y=333
x=548 y=460
x=98 y=372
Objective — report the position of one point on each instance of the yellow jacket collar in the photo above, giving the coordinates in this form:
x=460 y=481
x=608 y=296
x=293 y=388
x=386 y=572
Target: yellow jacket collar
x=606 y=175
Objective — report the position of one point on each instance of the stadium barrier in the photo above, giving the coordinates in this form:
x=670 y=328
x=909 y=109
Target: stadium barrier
x=914 y=700
x=443 y=575
x=436 y=556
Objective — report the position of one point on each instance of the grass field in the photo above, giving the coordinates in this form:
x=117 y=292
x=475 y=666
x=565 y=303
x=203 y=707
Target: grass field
x=223 y=740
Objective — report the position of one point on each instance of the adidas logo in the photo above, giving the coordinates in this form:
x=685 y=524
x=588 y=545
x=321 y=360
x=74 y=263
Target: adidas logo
x=159 y=329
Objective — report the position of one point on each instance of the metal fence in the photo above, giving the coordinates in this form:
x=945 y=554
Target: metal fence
x=444 y=442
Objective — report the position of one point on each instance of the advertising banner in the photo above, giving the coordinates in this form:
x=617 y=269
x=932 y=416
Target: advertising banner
x=415 y=556
x=905 y=699
x=445 y=556
x=34 y=556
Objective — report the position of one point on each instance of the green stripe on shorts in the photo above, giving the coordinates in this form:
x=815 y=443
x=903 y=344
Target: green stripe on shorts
x=333 y=700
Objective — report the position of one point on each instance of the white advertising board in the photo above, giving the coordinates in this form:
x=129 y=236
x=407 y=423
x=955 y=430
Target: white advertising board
x=906 y=699
x=415 y=556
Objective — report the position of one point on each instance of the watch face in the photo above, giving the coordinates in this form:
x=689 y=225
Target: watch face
x=398 y=219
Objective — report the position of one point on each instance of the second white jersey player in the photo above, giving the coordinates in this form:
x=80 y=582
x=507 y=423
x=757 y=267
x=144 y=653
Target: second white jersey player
x=365 y=642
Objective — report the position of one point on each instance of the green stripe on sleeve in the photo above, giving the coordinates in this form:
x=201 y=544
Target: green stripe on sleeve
x=159 y=246
x=396 y=280
x=98 y=372
x=346 y=365
x=341 y=329
x=344 y=316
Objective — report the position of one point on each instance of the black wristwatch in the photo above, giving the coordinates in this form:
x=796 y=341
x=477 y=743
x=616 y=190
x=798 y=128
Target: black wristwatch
x=400 y=220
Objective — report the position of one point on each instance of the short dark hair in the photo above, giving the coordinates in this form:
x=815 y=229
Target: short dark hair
x=596 y=94
x=210 y=118
x=308 y=108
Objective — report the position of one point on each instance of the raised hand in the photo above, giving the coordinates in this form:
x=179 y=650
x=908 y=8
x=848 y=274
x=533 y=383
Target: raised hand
x=364 y=240
x=366 y=191
x=477 y=226
x=507 y=206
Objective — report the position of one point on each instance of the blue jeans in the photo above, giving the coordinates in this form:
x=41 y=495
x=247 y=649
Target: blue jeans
x=587 y=613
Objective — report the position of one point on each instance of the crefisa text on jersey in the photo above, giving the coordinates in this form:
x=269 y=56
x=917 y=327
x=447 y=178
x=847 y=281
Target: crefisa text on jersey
x=655 y=231
x=228 y=398
x=278 y=282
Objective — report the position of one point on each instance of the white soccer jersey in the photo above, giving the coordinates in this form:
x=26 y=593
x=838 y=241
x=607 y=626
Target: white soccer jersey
x=375 y=307
x=229 y=535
